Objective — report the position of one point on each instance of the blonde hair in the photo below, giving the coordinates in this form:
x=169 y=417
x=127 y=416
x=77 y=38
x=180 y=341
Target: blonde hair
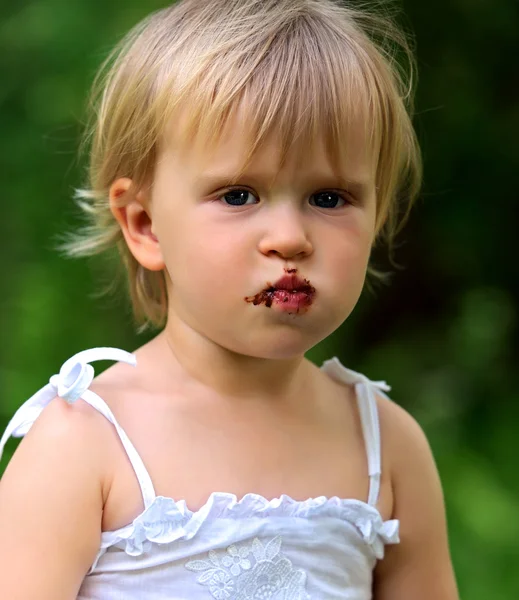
x=302 y=68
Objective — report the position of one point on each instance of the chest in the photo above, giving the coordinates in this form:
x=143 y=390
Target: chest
x=191 y=450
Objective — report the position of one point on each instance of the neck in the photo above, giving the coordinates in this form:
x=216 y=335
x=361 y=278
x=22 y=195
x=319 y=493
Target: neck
x=196 y=360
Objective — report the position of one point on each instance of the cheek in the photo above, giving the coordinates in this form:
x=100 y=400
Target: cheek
x=348 y=253
x=347 y=268
x=205 y=254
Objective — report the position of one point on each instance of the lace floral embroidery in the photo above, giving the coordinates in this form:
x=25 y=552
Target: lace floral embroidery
x=251 y=572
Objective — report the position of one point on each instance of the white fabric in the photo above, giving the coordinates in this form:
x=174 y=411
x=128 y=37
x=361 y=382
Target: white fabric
x=237 y=549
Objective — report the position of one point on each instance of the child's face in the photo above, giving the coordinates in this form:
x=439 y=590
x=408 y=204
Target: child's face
x=223 y=248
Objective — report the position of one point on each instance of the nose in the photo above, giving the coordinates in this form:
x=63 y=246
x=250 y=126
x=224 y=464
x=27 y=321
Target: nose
x=285 y=234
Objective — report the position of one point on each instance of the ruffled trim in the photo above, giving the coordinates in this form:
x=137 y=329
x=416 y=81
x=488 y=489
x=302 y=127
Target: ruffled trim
x=166 y=521
x=377 y=533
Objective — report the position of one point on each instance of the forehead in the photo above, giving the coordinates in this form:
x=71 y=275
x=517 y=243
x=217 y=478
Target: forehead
x=237 y=149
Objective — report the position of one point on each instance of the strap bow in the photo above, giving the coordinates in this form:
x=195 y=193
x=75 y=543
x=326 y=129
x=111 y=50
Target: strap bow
x=72 y=381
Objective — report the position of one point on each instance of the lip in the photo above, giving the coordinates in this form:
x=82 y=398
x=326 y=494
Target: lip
x=292 y=283
x=290 y=294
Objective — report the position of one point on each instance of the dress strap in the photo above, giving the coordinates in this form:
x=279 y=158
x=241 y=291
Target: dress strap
x=72 y=383
x=366 y=400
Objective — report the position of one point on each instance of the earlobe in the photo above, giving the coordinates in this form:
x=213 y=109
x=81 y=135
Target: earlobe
x=134 y=217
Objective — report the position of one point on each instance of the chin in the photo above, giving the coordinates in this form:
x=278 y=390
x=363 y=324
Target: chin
x=284 y=344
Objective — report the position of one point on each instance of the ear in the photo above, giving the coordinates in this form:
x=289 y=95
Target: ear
x=132 y=212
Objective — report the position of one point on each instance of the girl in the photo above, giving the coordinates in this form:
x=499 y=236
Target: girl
x=245 y=156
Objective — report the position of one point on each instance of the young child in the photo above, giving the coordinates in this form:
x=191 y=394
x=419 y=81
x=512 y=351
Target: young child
x=245 y=156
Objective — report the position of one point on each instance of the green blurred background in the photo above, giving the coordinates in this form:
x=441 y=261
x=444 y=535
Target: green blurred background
x=443 y=333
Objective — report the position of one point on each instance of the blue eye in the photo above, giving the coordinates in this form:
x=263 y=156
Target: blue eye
x=328 y=200
x=238 y=198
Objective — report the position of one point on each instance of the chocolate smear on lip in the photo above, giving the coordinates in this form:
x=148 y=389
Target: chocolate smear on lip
x=266 y=296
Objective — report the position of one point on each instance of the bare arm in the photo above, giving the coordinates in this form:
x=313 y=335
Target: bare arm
x=420 y=566
x=51 y=502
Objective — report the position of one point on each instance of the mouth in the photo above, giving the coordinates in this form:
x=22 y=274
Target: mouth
x=290 y=294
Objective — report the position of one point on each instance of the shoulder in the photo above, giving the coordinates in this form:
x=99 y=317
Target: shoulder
x=404 y=439
x=421 y=561
x=52 y=493
x=71 y=437
x=414 y=476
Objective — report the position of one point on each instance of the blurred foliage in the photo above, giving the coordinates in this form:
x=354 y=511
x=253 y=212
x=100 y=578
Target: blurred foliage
x=444 y=333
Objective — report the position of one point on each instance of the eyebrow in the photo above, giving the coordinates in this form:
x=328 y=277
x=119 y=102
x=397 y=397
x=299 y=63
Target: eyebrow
x=358 y=186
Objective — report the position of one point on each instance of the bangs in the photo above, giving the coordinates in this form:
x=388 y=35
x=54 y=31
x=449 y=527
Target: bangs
x=301 y=84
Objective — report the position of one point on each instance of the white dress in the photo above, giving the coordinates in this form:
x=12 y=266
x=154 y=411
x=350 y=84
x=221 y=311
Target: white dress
x=231 y=549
